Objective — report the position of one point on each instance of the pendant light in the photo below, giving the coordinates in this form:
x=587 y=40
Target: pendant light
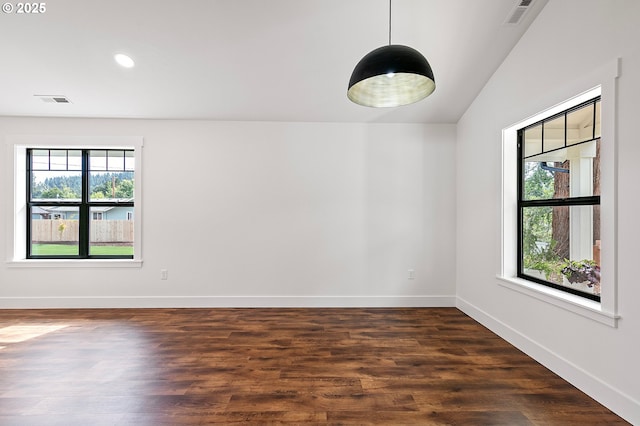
x=391 y=76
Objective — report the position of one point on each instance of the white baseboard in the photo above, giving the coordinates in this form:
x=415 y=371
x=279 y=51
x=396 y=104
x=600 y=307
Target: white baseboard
x=618 y=402
x=229 y=302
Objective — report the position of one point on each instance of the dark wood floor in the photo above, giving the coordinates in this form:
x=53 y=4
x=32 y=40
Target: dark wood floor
x=257 y=366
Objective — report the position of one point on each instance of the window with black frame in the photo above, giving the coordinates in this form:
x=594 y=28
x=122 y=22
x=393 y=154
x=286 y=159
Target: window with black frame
x=559 y=201
x=80 y=203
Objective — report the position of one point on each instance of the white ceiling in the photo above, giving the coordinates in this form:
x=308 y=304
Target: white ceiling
x=262 y=60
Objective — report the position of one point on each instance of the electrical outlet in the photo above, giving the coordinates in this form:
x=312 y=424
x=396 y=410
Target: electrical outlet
x=164 y=274
x=411 y=274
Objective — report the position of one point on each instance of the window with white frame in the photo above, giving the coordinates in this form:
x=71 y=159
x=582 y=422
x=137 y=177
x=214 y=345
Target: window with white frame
x=559 y=200
x=74 y=200
x=603 y=83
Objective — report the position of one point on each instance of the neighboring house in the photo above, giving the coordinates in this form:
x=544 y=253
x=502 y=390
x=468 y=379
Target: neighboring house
x=40 y=213
x=71 y=213
x=62 y=213
x=112 y=213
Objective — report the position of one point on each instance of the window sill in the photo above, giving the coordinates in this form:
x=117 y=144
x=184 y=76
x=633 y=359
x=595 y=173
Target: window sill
x=72 y=263
x=569 y=302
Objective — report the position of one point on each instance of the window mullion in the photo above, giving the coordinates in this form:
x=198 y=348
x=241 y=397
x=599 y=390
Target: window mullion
x=83 y=247
x=557 y=202
x=29 y=189
x=520 y=165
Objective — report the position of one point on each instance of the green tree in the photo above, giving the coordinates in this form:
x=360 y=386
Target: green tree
x=59 y=193
x=112 y=185
x=124 y=189
x=537 y=233
x=538 y=183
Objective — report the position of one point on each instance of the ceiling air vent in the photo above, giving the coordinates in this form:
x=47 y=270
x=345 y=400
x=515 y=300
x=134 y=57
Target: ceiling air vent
x=56 y=99
x=518 y=12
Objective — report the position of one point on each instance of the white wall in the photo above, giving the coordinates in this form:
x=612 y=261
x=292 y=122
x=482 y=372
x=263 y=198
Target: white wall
x=268 y=214
x=557 y=57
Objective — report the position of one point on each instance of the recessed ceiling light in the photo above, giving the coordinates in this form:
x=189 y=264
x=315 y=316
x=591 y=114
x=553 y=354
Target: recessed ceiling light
x=124 y=60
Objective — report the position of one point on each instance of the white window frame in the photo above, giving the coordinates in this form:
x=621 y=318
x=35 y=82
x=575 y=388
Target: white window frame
x=16 y=148
x=605 y=311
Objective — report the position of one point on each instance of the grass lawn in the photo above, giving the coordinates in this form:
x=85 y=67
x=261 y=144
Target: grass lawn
x=71 y=250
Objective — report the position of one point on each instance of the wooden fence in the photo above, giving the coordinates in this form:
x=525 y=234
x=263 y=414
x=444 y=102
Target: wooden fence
x=102 y=231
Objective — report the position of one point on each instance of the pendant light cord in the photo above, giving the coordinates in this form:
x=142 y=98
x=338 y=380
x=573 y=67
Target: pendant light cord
x=389 y=22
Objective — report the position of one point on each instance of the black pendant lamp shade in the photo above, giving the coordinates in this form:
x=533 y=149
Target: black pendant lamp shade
x=391 y=76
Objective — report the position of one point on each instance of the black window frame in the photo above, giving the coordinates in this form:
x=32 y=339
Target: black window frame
x=570 y=201
x=84 y=205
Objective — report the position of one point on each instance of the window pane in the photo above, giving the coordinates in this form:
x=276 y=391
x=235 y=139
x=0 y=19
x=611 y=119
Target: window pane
x=97 y=160
x=561 y=245
x=58 y=159
x=111 y=231
x=533 y=140
x=538 y=182
x=553 y=134
x=54 y=231
x=537 y=248
x=598 y=119
x=564 y=173
x=580 y=125
x=40 y=159
x=56 y=185
x=545 y=180
x=111 y=186
x=596 y=168
x=75 y=160
x=115 y=160
x=129 y=161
